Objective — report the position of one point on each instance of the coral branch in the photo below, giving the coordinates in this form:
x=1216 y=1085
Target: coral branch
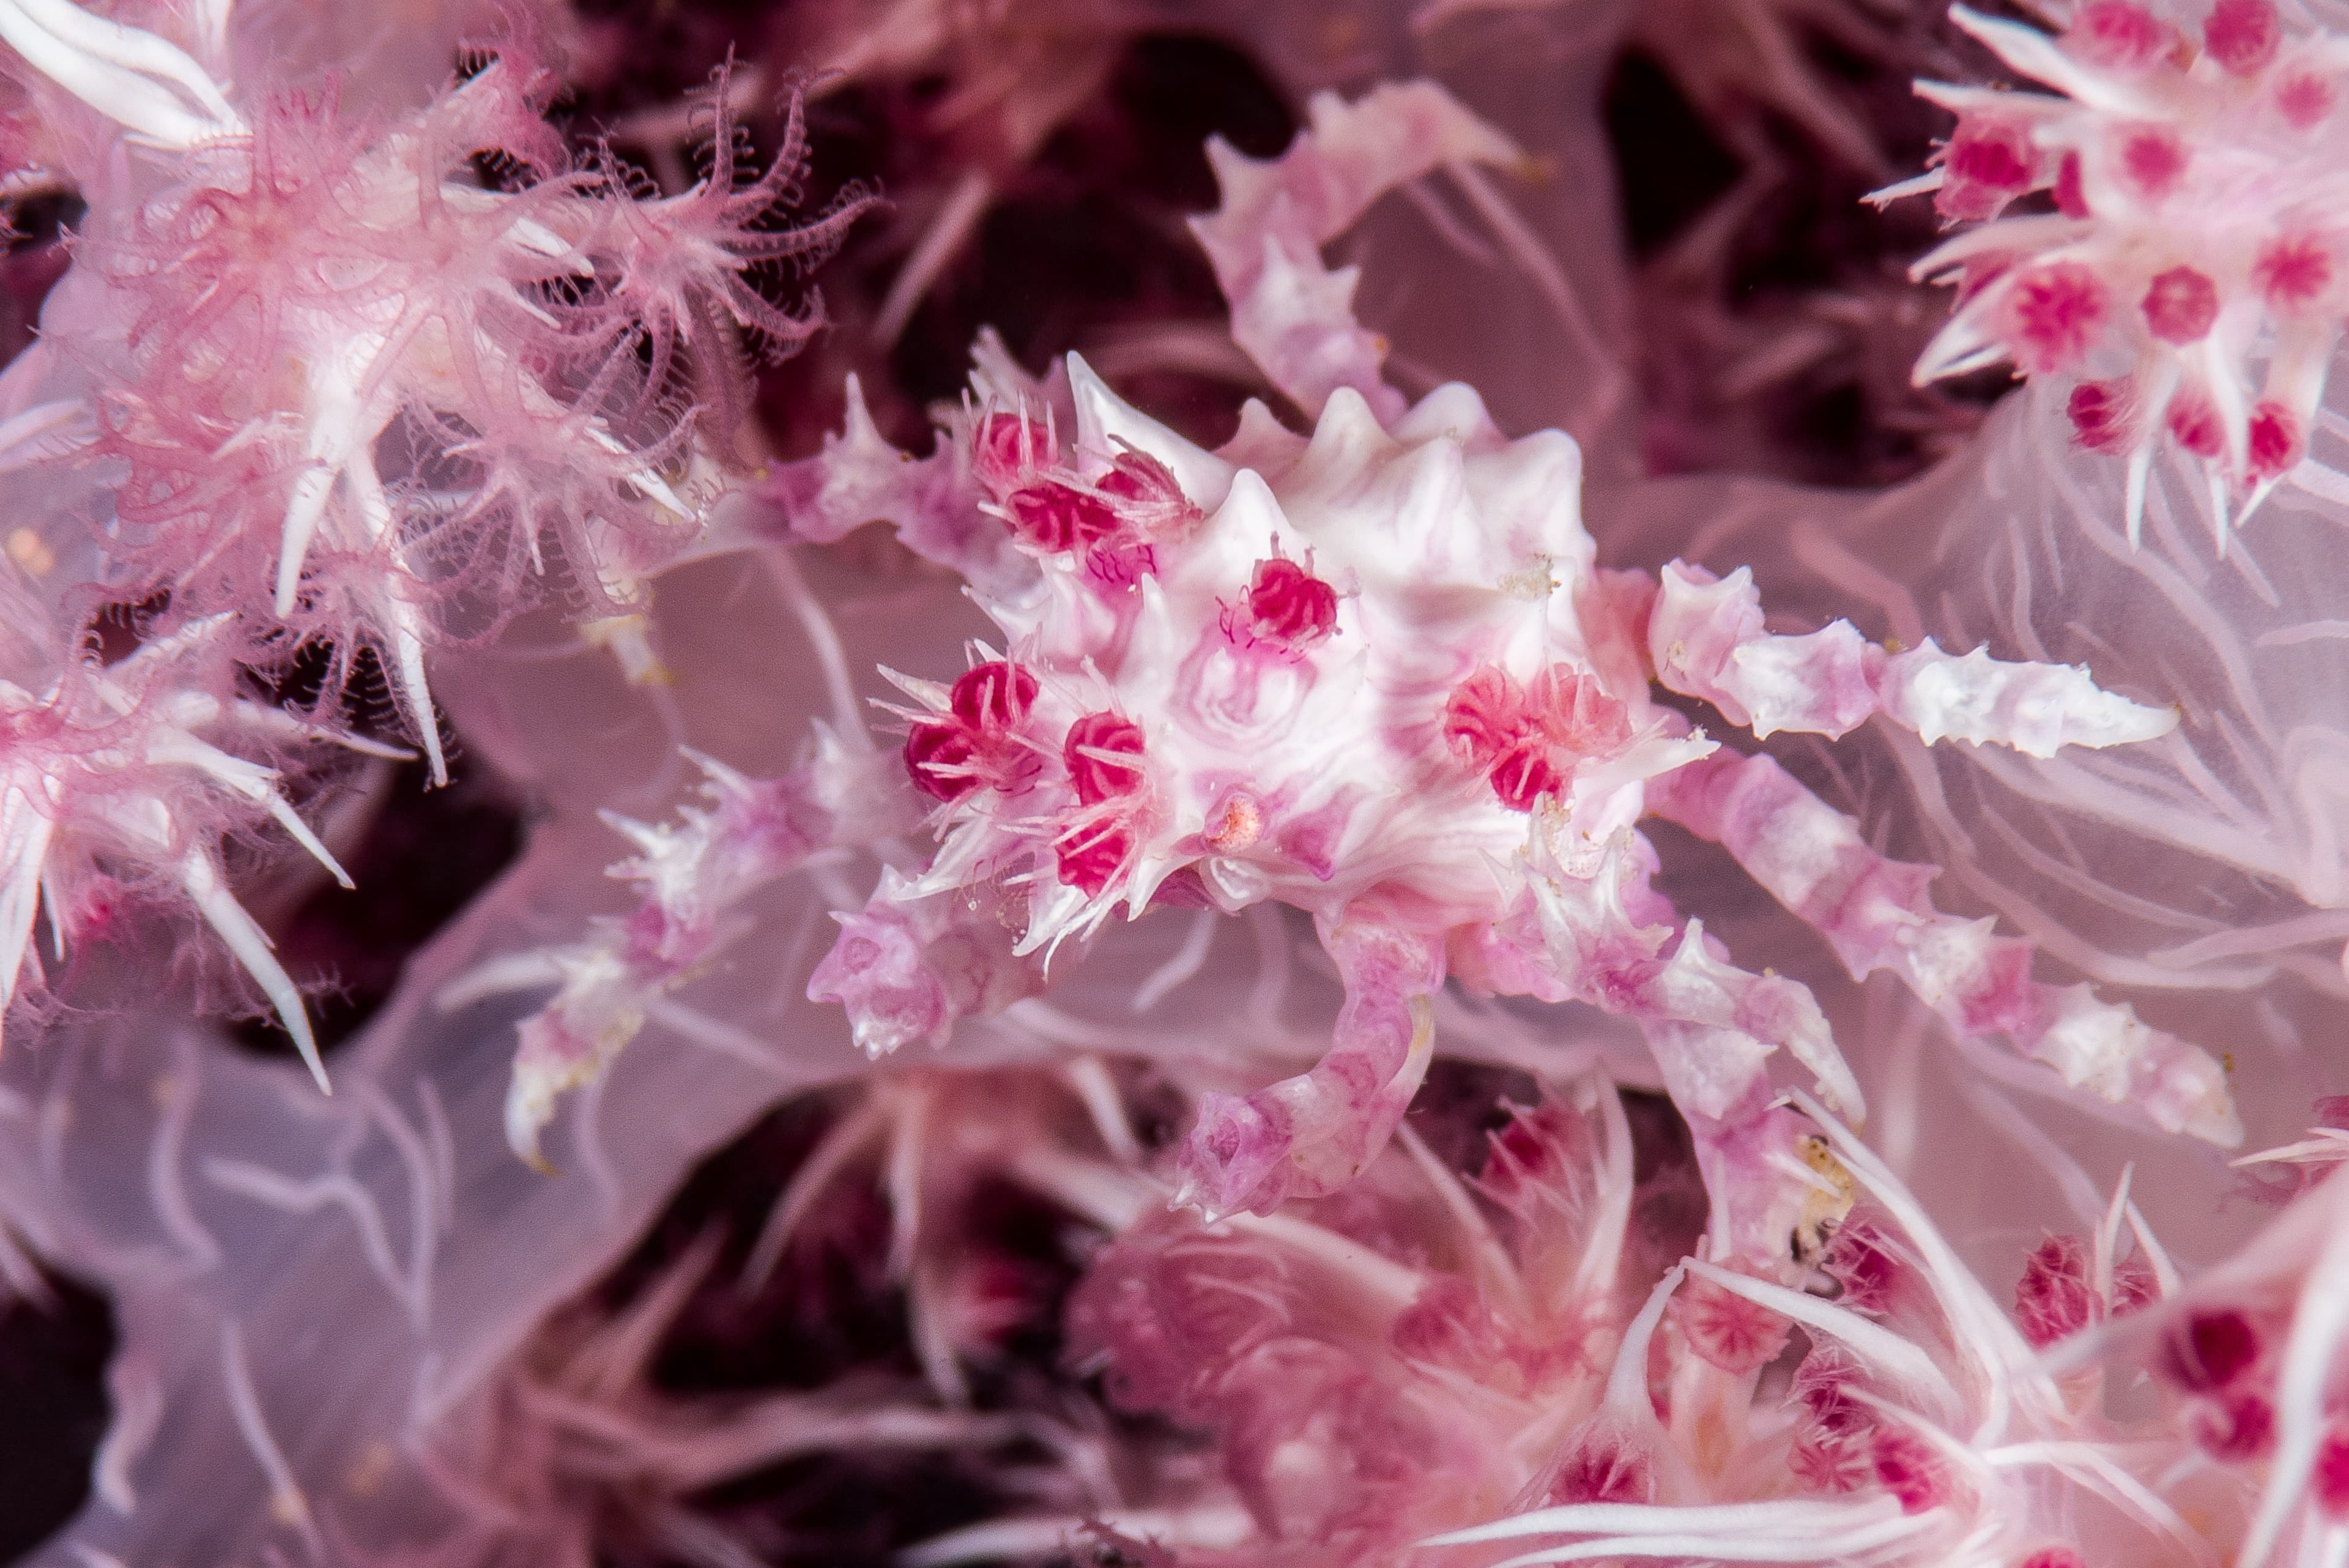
x=106 y=778
x=2193 y=231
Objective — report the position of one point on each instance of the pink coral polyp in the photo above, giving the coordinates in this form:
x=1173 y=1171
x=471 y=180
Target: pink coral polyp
x=1290 y=606
x=2192 y=188
x=1528 y=741
x=2054 y=313
x=1102 y=755
x=939 y=759
x=993 y=698
x=2243 y=35
x=1985 y=166
x=2119 y=36
x=976 y=743
x=2100 y=415
x=2180 y=305
x=1053 y=517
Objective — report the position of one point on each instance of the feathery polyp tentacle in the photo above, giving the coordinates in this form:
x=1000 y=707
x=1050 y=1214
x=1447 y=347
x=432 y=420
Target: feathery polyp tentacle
x=25 y=831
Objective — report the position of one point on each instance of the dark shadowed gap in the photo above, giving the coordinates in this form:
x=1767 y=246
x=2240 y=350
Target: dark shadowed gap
x=830 y=1317
x=1669 y=168
x=34 y=229
x=54 y=1408
x=1085 y=240
x=421 y=859
x=1092 y=236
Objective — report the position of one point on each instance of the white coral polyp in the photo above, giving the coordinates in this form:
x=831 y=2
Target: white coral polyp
x=1377 y=675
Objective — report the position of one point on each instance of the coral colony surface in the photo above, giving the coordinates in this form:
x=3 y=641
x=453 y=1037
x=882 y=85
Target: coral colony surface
x=1336 y=784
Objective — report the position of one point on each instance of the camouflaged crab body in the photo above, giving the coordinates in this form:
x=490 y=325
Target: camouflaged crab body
x=1377 y=675
x=1281 y=754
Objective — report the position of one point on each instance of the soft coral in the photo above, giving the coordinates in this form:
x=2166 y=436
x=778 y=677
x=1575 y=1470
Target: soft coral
x=354 y=368
x=107 y=778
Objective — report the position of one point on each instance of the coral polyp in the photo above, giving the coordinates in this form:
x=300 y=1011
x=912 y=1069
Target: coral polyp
x=2189 y=277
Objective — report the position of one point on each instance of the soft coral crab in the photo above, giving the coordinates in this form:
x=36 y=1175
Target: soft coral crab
x=1377 y=675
